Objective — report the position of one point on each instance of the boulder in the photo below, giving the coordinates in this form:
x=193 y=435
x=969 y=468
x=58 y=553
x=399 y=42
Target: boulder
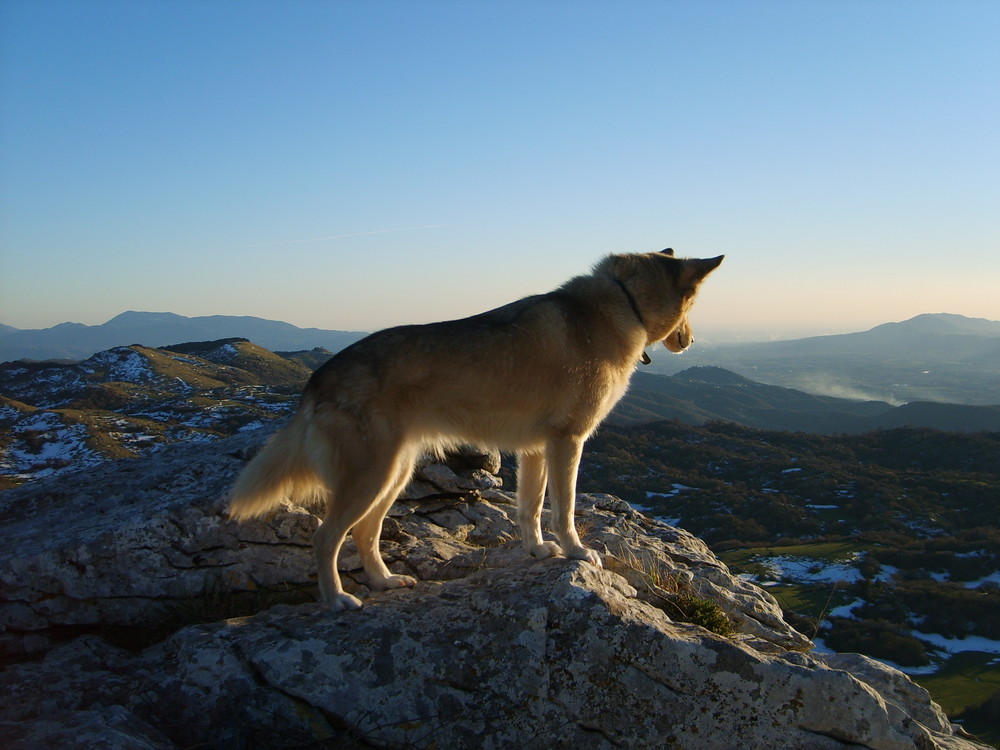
x=490 y=649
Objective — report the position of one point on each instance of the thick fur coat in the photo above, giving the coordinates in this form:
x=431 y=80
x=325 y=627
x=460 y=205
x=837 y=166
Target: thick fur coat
x=534 y=377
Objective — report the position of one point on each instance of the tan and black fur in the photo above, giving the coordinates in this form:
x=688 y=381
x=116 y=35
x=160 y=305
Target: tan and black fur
x=534 y=377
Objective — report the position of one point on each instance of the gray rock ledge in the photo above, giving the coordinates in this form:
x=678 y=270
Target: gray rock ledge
x=490 y=650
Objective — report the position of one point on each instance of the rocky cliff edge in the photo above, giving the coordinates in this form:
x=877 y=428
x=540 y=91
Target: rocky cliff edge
x=103 y=571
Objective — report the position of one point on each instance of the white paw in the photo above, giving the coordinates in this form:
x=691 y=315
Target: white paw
x=396 y=582
x=585 y=553
x=545 y=549
x=344 y=601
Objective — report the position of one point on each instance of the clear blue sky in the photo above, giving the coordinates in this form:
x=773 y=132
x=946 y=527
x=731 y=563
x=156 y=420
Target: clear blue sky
x=354 y=165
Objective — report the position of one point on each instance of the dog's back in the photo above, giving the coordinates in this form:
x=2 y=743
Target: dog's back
x=503 y=378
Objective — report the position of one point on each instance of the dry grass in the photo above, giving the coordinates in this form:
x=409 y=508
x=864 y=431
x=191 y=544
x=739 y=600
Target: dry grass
x=670 y=592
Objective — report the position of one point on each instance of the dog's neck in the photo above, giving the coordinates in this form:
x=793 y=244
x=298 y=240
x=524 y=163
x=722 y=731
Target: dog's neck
x=638 y=314
x=631 y=302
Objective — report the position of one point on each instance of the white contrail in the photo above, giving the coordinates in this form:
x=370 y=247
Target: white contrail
x=342 y=236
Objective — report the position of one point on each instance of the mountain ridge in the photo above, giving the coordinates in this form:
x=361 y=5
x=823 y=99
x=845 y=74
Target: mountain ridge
x=76 y=341
x=47 y=343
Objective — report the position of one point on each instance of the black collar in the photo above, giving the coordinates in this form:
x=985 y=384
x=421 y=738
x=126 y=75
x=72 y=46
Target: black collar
x=638 y=314
x=631 y=302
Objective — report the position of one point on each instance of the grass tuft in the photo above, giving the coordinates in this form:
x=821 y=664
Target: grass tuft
x=673 y=594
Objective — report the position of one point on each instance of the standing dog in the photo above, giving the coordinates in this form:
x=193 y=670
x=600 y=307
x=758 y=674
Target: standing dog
x=536 y=377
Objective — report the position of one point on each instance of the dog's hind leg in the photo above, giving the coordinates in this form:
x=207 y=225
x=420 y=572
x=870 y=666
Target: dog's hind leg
x=327 y=541
x=369 y=529
x=531 y=476
x=357 y=482
x=562 y=454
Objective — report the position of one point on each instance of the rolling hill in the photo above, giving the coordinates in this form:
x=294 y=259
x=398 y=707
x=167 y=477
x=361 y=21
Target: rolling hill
x=129 y=400
x=699 y=395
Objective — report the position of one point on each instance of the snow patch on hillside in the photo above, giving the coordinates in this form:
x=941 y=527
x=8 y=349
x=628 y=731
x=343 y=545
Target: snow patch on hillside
x=45 y=445
x=124 y=365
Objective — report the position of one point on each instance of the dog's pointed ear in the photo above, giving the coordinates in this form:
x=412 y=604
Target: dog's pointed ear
x=696 y=269
x=710 y=264
x=668 y=251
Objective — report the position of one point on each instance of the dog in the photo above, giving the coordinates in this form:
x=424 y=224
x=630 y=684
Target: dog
x=535 y=377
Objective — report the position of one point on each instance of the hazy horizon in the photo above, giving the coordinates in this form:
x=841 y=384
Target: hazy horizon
x=357 y=165
x=704 y=335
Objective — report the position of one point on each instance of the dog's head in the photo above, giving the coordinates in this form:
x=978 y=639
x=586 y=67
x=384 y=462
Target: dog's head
x=663 y=288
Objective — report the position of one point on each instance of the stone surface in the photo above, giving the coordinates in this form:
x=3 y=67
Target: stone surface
x=112 y=728
x=491 y=649
x=126 y=542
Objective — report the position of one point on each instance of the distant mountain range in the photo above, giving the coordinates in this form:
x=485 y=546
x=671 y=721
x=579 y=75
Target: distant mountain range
x=934 y=358
x=75 y=341
x=939 y=357
x=128 y=400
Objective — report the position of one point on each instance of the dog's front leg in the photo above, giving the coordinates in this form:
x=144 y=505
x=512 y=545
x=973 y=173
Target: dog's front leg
x=562 y=456
x=530 y=494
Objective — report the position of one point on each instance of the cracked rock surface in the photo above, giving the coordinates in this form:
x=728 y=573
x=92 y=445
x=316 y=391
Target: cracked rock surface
x=490 y=650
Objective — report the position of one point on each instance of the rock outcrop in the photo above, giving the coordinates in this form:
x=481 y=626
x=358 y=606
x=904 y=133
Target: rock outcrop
x=491 y=649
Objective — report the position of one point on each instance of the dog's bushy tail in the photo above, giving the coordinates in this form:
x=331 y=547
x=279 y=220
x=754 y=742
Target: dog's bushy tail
x=280 y=471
